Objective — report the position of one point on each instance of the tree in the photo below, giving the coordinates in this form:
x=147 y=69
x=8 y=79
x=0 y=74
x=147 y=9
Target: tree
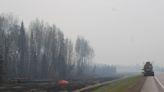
x=84 y=53
x=44 y=67
x=22 y=45
x=1 y=68
x=42 y=52
x=33 y=58
x=69 y=57
x=61 y=58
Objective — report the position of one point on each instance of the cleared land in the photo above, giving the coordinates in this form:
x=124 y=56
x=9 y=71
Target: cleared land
x=132 y=84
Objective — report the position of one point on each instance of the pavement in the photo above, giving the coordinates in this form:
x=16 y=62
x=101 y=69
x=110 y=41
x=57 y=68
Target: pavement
x=154 y=84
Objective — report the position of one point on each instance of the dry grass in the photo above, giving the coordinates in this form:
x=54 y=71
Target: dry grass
x=132 y=84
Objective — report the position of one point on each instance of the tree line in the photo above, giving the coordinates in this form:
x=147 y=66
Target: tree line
x=42 y=52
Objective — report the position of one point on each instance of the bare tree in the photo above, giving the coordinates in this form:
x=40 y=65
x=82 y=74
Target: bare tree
x=84 y=54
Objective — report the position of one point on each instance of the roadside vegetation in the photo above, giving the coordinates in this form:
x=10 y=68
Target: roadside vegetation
x=42 y=52
x=123 y=85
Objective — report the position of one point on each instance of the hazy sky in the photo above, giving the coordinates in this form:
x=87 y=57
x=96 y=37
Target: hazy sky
x=120 y=31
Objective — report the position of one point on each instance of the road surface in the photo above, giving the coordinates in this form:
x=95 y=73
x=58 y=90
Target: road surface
x=154 y=84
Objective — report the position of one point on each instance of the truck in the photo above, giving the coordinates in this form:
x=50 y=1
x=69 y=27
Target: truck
x=148 y=69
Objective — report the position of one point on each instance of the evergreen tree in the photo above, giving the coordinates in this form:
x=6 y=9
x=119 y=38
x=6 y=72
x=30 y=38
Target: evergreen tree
x=22 y=65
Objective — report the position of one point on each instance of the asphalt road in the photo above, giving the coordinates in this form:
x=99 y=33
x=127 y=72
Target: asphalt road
x=154 y=84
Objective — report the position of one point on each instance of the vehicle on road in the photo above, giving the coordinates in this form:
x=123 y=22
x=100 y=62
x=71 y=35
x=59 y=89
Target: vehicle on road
x=148 y=69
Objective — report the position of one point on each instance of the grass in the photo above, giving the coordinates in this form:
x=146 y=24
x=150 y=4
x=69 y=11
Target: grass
x=119 y=86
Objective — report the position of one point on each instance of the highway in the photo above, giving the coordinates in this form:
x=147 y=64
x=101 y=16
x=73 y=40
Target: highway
x=154 y=84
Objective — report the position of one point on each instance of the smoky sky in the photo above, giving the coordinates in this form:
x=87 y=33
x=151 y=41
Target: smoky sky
x=120 y=31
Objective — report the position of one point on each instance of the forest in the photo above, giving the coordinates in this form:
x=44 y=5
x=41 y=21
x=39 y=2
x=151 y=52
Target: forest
x=42 y=52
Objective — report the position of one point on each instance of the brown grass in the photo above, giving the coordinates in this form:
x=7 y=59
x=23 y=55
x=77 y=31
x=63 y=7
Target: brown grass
x=138 y=86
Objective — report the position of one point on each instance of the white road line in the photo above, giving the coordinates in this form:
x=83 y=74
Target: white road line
x=162 y=86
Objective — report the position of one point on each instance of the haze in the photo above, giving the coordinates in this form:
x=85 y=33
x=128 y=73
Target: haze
x=127 y=32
